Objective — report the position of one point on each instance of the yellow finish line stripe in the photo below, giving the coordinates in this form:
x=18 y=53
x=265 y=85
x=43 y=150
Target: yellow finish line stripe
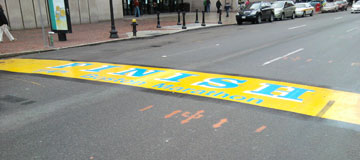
x=291 y=97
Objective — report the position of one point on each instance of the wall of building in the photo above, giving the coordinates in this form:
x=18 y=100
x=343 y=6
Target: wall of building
x=25 y=14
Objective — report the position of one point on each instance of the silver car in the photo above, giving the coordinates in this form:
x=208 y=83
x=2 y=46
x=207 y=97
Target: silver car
x=330 y=7
x=355 y=7
x=283 y=9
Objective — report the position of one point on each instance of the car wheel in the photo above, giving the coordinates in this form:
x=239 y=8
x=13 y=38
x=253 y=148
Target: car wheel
x=271 y=19
x=239 y=22
x=282 y=17
x=293 y=16
x=345 y=8
x=312 y=13
x=259 y=19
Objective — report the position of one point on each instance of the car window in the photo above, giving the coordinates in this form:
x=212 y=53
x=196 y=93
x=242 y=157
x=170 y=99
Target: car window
x=278 y=4
x=253 y=6
x=300 y=5
x=358 y=3
x=263 y=5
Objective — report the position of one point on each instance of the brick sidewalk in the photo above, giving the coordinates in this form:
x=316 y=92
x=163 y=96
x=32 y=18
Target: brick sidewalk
x=31 y=40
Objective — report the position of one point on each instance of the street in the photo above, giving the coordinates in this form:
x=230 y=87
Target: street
x=51 y=109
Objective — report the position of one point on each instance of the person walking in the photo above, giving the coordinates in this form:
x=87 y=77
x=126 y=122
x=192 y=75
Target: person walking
x=208 y=4
x=137 y=9
x=4 y=26
x=218 y=5
x=227 y=8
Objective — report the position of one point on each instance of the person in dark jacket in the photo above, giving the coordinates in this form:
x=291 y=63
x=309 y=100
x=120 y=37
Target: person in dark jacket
x=4 y=26
x=218 y=5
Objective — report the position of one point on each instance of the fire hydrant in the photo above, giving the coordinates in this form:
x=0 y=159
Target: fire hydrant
x=134 y=24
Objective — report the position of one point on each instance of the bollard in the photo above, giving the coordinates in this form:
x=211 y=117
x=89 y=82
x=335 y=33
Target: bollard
x=51 y=39
x=179 y=23
x=220 y=17
x=203 y=19
x=158 y=20
x=184 y=24
x=197 y=19
x=134 y=24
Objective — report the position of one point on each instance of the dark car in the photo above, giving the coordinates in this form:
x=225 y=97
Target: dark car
x=256 y=12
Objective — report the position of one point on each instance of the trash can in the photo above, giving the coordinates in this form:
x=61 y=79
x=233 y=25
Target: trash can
x=51 y=39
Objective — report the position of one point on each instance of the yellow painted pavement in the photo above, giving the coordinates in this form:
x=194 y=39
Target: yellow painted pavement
x=291 y=97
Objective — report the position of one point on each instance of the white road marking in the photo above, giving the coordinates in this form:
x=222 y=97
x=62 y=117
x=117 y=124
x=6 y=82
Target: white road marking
x=297 y=27
x=338 y=18
x=352 y=29
x=278 y=58
x=164 y=56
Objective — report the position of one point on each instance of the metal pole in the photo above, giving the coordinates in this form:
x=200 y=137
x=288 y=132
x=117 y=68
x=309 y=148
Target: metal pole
x=42 y=26
x=220 y=17
x=184 y=23
x=203 y=19
x=197 y=18
x=158 y=20
x=179 y=23
x=113 y=32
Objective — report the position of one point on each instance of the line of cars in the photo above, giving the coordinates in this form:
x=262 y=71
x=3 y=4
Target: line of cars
x=257 y=12
x=335 y=6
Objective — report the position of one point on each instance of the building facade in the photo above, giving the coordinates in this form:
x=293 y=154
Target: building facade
x=25 y=14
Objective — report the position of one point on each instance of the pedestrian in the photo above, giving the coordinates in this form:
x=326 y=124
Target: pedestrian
x=208 y=4
x=155 y=6
x=218 y=5
x=247 y=3
x=4 y=26
x=137 y=9
x=205 y=5
x=227 y=8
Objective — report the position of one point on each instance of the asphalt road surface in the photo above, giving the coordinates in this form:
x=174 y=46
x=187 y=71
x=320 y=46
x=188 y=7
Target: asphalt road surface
x=54 y=117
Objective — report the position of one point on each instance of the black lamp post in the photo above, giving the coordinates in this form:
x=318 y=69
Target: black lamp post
x=113 y=32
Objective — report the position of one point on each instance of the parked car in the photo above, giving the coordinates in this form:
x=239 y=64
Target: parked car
x=283 y=9
x=342 y=5
x=256 y=12
x=355 y=7
x=330 y=7
x=303 y=9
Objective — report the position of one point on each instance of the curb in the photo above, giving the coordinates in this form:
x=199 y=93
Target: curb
x=9 y=55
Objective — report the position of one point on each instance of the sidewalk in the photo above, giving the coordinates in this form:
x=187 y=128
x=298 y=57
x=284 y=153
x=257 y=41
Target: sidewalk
x=30 y=41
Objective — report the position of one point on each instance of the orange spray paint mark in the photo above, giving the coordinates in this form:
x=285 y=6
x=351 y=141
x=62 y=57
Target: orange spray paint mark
x=146 y=108
x=220 y=123
x=172 y=114
x=197 y=115
x=260 y=129
x=186 y=114
x=295 y=59
x=308 y=60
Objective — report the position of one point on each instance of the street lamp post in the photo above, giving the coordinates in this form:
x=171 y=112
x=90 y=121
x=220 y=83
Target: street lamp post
x=113 y=32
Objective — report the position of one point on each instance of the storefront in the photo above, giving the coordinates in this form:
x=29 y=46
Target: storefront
x=151 y=6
